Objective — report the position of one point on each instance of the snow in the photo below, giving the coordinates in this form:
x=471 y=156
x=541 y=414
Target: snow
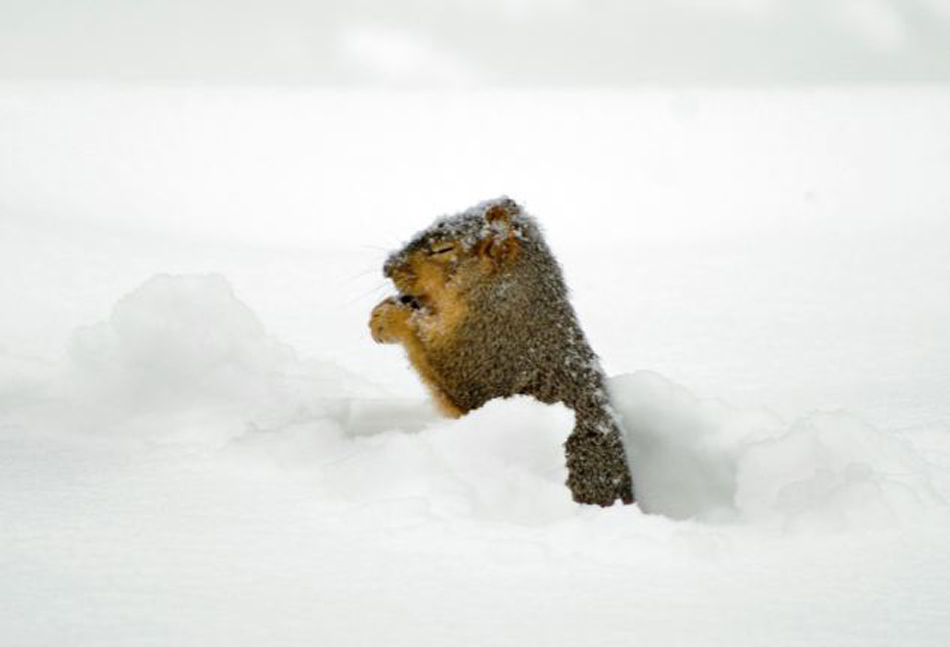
x=705 y=460
x=200 y=444
x=176 y=341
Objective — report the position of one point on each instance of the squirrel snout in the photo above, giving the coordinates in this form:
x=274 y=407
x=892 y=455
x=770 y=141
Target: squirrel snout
x=392 y=265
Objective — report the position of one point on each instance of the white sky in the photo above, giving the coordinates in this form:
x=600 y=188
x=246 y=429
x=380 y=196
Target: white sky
x=452 y=43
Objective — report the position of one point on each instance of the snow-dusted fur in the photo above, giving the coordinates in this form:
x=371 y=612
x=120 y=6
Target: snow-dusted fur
x=520 y=335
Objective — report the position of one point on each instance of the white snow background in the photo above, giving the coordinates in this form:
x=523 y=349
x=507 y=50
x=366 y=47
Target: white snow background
x=201 y=445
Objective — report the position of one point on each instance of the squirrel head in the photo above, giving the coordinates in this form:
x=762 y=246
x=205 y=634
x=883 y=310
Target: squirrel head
x=460 y=252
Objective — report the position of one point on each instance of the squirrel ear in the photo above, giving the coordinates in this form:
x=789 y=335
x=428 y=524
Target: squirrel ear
x=500 y=213
x=502 y=245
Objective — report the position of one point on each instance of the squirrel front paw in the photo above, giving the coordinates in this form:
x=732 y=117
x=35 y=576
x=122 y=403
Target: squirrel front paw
x=389 y=322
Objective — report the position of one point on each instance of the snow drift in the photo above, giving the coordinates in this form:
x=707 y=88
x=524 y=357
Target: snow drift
x=704 y=459
x=182 y=359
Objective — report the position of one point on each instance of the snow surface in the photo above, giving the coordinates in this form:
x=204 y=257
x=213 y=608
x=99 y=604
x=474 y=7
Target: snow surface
x=200 y=444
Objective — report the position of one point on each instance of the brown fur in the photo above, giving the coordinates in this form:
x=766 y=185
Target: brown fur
x=483 y=313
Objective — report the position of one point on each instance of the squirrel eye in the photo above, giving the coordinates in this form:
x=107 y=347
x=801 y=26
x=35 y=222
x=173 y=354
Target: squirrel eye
x=441 y=250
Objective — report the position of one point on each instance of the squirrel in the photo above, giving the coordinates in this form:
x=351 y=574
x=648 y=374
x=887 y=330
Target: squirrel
x=483 y=312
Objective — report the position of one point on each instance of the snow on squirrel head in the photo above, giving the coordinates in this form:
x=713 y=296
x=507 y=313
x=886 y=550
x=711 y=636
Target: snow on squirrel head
x=460 y=251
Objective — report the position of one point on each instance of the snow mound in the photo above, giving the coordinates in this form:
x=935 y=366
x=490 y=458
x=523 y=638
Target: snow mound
x=504 y=462
x=702 y=459
x=178 y=340
x=684 y=451
x=186 y=347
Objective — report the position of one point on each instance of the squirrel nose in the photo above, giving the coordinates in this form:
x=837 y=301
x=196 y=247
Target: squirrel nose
x=395 y=266
x=390 y=266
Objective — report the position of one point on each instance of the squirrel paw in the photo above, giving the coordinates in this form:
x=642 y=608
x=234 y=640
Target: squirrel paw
x=389 y=322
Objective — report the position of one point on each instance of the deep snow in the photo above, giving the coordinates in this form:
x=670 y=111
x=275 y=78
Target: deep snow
x=201 y=445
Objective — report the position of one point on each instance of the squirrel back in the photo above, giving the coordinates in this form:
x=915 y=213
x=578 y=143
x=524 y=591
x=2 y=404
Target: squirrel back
x=484 y=313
